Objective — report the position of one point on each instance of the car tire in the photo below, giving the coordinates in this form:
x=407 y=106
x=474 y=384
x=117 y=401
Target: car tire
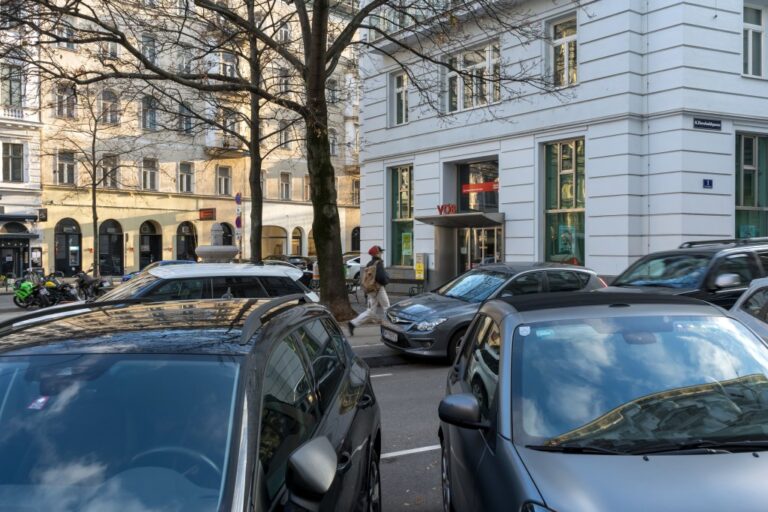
x=372 y=492
x=453 y=345
x=445 y=477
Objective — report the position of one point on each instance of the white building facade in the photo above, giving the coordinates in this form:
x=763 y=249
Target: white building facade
x=657 y=134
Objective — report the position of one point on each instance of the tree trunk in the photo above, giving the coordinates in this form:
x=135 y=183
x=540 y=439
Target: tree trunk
x=95 y=222
x=254 y=177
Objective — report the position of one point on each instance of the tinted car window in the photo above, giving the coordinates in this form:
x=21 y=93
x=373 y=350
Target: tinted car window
x=278 y=286
x=181 y=289
x=326 y=363
x=337 y=336
x=238 y=288
x=564 y=281
x=482 y=374
x=130 y=289
x=757 y=305
x=671 y=271
x=288 y=416
x=474 y=286
x=763 y=256
x=531 y=282
x=477 y=332
x=742 y=265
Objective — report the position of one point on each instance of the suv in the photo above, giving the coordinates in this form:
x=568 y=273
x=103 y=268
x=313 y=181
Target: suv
x=186 y=406
x=213 y=281
x=717 y=271
x=432 y=324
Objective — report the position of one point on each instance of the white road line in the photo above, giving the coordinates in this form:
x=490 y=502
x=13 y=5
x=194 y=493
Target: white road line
x=381 y=375
x=392 y=455
x=369 y=345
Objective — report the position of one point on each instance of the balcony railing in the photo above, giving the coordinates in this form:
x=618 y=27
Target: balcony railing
x=219 y=144
x=12 y=112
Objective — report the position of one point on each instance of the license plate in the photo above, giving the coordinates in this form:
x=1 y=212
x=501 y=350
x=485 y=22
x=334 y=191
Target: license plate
x=389 y=335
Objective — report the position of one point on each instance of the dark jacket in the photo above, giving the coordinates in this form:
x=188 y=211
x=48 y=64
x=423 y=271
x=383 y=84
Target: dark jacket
x=381 y=274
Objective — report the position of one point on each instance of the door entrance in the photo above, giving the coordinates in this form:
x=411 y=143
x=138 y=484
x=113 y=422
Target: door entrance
x=11 y=261
x=478 y=246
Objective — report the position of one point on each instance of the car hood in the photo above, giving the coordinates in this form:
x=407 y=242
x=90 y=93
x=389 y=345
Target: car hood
x=606 y=483
x=647 y=289
x=431 y=305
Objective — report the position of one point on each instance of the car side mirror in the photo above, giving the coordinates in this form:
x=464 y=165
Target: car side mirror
x=727 y=281
x=310 y=474
x=461 y=410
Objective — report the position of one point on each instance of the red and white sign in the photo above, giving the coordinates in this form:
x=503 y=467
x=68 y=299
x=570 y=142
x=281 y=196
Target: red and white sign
x=446 y=209
x=488 y=186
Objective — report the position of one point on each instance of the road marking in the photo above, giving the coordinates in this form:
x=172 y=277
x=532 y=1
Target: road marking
x=381 y=375
x=369 y=345
x=392 y=455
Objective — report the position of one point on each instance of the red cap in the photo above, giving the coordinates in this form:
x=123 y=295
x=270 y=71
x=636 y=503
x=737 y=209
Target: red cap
x=375 y=249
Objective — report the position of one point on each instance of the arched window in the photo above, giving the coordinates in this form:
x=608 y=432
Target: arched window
x=332 y=90
x=296 y=245
x=111 y=248
x=110 y=107
x=356 y=239
x=274 y=241
x=228 y=234
x=333 y=141
x=67 y=247
x=186 y=242
x=13 y=227
x=150 y=243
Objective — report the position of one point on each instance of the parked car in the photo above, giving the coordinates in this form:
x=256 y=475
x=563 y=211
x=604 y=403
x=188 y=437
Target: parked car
x=353 y=268
x=752 y=307
x=186 y=406
x=306 y=275
x=161 y=263
x=213 y=280
x=717 y=271
x=432 y=324
x=303 y=262
x=605 y=402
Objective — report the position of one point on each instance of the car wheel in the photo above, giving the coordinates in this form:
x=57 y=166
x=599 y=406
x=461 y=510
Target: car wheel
x=374 y=484
x=445 y=478
x=453 y=345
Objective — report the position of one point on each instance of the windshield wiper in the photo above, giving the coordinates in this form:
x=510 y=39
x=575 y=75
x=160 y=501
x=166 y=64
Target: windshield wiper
x=574 y=448
x=703 y=446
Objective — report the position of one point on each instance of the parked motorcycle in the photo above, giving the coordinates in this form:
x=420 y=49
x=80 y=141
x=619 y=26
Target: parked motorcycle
x=29 y=295
x=88 y=287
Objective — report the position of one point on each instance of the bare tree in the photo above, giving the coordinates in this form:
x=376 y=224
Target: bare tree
x=293 y=38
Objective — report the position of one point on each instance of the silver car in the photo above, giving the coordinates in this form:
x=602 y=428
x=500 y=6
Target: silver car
x=598 y=402
x=752 y=307
x=432 y=324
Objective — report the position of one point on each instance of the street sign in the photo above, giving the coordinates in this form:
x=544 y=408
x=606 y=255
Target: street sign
x=238 y=210
x=238 y=198
x=238 y=222
x=207 y=213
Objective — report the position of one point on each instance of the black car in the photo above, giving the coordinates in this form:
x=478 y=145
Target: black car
x=187 y=406
x=717 y=271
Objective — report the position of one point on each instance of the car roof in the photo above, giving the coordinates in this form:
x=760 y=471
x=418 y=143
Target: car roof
x=179 y=327
x=522 y=266
x=219 y=269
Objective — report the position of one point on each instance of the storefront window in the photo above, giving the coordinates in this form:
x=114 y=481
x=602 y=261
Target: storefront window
x=402 y=215
x=479 y=187
x=751 y=190
x=565 y=193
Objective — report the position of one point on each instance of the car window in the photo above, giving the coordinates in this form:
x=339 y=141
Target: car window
x=288 y=414
x=130 y=289
x=564 y=281
x=474 y=286
x=742 y=265
x=181 y=289
x=476 y=332
x=326 y=362
x=482 y=371
x=238 y=288
x=583 y=278
x=531 y=282
x=757 y=305
x=279 y=286
x=336 y=335
x=763 y=256
x=666 y=270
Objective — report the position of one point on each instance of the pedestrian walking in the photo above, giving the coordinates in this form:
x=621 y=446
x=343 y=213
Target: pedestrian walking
x=374 y=279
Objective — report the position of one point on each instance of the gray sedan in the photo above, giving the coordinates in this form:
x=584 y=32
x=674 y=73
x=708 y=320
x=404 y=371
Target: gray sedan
x=432 y=324
x=752 y=307
x=598 y=402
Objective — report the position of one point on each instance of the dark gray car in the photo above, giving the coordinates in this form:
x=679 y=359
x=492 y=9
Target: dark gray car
x=432 y=324
x=598 y=402
x=752 y=307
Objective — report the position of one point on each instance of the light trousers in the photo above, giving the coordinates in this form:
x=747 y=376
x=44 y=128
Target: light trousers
x=378 y=302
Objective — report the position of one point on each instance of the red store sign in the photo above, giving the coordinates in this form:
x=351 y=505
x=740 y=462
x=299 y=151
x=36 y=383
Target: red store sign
x=488 y=186
x=446 y=209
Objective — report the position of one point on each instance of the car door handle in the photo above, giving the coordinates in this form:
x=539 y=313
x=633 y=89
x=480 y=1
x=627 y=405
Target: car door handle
x=365 y=401
x=344 y=462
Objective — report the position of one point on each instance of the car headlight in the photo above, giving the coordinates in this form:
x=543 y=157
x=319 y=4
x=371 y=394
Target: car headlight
x=535 y=507
x=428 y=325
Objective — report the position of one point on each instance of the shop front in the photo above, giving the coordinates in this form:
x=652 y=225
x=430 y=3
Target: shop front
x=15 y=249
x=150 y=243
x=67 y=247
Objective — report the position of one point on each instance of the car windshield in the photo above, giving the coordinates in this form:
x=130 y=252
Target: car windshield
x=129 y=289
x=632 y=382
x=474 y=286
x=672 y=271
x=115 y=433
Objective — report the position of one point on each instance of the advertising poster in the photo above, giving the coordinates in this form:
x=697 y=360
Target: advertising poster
x=566 y=237
x=407 y=244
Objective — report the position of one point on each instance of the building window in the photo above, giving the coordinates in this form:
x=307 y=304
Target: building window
x=110 y=107
x=307 y=195
x=332 y=90
x=65 y=31
x=182 y=7
x=13 y=163
x=185 y=119
x=284 y=33
x=402 y=215
x=229 y=121
x=11 y=86
x=228 y=64
x=474 y=78
x=149 y=48
x=149 y=174
x=186 y=172
x=109 y=49
x=565 y=202
x=356 y=191
x=284 y=135
x=149 y=113
x=264 y=184
x=333 y=142
x=479 y=187
x=399 y=100
x=283 y=80
x=564 y=62
x=751 y=182
x=753 y=41
x=224 y=180
x=65 y=101
x=110 y=167
x=285 y=186
x=185 y=60
x=65 y=168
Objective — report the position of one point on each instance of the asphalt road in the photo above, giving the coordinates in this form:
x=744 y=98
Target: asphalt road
x=409 y=392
